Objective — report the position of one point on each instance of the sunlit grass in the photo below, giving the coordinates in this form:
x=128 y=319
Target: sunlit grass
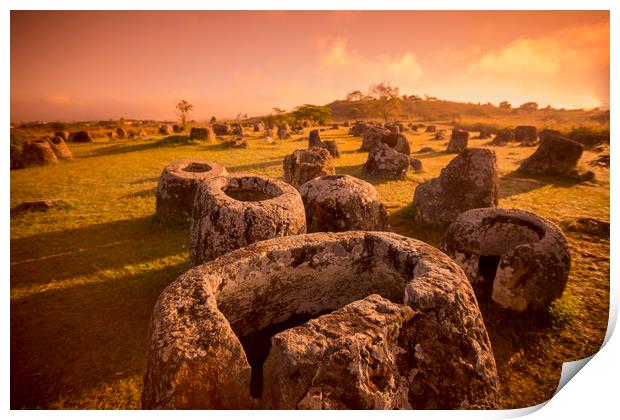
x=84 y=277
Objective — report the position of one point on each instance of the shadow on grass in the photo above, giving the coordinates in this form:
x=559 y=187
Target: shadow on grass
x=68 y=342
x=51 y=256
x=170 y=141
x=149 y=192
x=258 y=165
x=506 y=335
x=402 y=221
x=515 y=183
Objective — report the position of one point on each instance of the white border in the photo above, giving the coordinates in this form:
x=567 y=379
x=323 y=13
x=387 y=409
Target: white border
x=594 y=391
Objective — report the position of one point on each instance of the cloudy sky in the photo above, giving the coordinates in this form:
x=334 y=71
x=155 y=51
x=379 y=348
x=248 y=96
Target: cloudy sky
x=138 y=64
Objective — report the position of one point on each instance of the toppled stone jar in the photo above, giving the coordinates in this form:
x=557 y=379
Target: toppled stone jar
x=177 y=186
x=401 y=328
x=337 y=203
x=235 y=211
x=554 y=156
x=518 y=258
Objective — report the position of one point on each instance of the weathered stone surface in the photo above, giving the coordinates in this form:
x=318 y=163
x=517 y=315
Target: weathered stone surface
x=235 y=211
x=17 y=160
x=485 y=133
x=39 y=205
x=519 y=258
x=470 y=180
x=397 y=142
x=303 y=165
x=314 y=138
x=358 y=129
x=201 y=133
x=221 y=129
x=503 y=137
x=237 y=130
x=63 y=134
x=579 y=177
x=431 y=129
x=374 y=137
x=385 y=162
x=80 y=137
x=177 y=186
x=458 y=141
x=421 y=345
x=440 y=135
x=332 y=147
x=554 y=156
x=142 y=135
x=547 y=133
x=416 y=165
x=283 y=131
x=588 y=225
x=526 y=134
x=60 y=148
x=426 y=149
x=121 y=133
x=166 y=129
x=38 y=153
x=236 y=143
x=394 y=128
x=337 y=203
x=371 y=138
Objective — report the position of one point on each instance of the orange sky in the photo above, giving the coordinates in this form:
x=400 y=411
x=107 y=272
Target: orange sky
x=137 y=64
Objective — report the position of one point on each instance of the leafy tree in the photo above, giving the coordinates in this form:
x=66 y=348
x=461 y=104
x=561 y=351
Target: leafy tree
x=384 y=100
x=355 y=95
x=505 y=105
x=313 y=113
x=280 y=116
x=183 y=110
x=529 y=106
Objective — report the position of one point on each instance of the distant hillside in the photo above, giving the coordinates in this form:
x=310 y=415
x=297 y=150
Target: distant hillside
x=459 y=113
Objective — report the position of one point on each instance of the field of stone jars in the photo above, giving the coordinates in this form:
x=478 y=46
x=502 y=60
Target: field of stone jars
x=344 y=266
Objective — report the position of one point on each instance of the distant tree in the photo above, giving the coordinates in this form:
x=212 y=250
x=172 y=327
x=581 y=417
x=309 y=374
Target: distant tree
x=529 y=106
x=385 y=100
x=313 y=113
x=183 y=110
x=355 y=95
x=505 y=105
x=213 y=120
x=281 y=116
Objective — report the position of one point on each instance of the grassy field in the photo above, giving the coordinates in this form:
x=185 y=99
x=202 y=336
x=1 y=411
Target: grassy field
x=85 y=276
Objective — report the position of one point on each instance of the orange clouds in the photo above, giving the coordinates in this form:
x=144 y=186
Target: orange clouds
x=345 y=67
x=557 y=69
x=139 y=64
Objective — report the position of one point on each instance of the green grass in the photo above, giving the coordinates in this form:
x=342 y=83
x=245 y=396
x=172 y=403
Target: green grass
x=85 y=277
